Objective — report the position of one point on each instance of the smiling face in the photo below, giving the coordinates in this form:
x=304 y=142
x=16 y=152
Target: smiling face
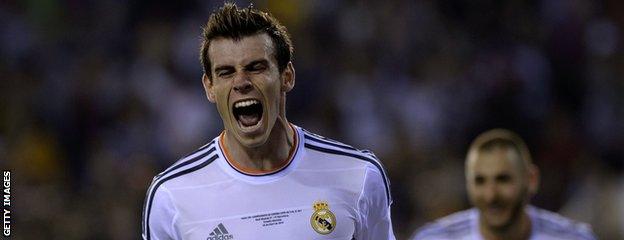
x=498 y=185
x=247 y=87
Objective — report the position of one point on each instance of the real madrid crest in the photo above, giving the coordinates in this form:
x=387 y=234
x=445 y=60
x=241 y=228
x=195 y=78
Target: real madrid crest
x=323 y=221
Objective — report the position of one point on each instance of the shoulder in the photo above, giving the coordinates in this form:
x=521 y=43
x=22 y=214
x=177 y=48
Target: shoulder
x=158 y=205
x=338 y=151
x=185 y=166
x=453 y=226
x=330 y=153
x=553 y=224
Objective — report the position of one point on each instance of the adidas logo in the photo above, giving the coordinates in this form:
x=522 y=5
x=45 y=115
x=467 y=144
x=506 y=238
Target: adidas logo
x=220 y=233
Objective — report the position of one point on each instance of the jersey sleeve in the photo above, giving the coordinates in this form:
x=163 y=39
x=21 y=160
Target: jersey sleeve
x=158 y=215
x=374 y=207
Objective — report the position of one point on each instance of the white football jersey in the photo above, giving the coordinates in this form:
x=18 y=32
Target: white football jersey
x=545 y=225
x=328 y=190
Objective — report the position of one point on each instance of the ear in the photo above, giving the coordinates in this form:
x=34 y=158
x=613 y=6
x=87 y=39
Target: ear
x=534 y=179
x=208 y=88
x=288 y=78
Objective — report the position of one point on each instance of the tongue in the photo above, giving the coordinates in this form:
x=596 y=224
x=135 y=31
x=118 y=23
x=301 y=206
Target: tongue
x=249 y=120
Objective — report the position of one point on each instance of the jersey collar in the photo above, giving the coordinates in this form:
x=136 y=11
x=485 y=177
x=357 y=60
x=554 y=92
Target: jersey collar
x=234 y=169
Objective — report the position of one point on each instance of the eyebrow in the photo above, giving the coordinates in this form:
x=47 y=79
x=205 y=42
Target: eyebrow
x=503 y=176
x=252 y=63
x=259 y=61
x=223 y=67
x=495 y=177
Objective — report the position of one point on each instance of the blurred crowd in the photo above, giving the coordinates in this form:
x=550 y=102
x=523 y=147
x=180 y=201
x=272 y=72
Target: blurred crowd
x=96 y=97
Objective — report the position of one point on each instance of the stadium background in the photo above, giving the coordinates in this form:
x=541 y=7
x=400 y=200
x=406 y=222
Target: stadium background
x=99 y=96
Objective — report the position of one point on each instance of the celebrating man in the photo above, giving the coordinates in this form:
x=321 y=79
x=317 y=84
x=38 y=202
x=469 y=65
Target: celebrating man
x=501 y=179
x=263 y=177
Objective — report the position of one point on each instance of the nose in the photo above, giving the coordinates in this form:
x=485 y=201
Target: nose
x=242 y=83
x=490 y=192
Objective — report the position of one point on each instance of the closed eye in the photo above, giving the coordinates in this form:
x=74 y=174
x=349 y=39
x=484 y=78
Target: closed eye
x=503 y=178
x=223 y=72
x=479 y=180
x=257 y=66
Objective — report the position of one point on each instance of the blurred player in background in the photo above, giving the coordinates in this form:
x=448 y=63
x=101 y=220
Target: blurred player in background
x=501 y=179
x=263 y=177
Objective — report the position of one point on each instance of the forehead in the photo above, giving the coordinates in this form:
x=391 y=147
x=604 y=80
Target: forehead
x=494 y=162
x=227 y=51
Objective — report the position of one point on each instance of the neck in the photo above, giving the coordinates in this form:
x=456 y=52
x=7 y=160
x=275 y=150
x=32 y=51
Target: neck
x=268 y=157
x=520 y=229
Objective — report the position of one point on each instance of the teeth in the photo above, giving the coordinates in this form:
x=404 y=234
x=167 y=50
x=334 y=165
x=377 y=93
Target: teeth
x=246 y=103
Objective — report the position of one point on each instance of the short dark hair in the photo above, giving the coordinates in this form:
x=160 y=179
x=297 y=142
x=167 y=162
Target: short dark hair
x=502 y=138
x=232 y=22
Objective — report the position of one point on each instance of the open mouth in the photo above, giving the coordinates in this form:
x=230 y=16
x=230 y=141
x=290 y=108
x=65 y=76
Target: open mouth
x=248 y=113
